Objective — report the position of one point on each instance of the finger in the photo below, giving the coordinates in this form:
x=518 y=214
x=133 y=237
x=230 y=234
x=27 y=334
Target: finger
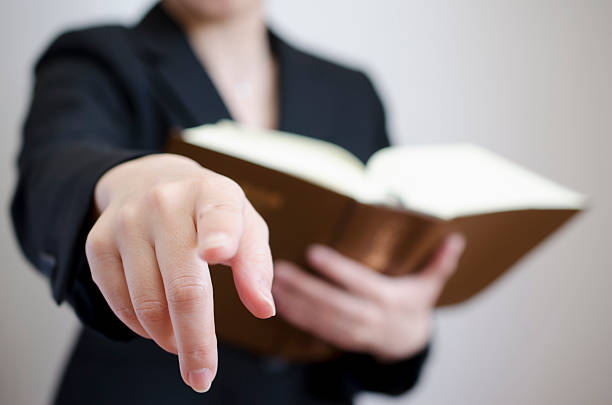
x=188 y=291
x=444 y=261
x=146 y=289
x=219 y=219
x=348 y=273
x=231 y=232
x=337 y=320
x=107 y=273
x=299 y=313
x=322 y=296
x=252 y=267
x=441 y=266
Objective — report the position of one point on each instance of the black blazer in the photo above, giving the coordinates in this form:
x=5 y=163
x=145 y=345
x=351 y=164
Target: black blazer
x=108 y=94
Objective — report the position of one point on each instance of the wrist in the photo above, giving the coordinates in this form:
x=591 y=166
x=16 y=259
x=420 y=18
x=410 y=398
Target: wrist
x=416 y=343
x=101 y=195
x=391 y=358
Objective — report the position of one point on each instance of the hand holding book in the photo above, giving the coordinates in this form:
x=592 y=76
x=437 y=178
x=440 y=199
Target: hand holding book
x=359 y=310
x=390 y=214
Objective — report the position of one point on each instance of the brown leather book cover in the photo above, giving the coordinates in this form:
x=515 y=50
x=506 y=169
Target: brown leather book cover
x=390 y=240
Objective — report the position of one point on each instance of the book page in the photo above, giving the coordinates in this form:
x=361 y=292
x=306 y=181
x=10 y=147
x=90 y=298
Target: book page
x=452 y=180
x=316 y=161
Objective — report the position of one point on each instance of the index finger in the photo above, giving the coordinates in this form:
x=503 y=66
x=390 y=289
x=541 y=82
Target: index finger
x=189 y=294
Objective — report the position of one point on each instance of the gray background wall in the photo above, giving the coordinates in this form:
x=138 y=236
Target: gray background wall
x=528 y=79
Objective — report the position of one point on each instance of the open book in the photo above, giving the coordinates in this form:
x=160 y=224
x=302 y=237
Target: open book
x=390 y=214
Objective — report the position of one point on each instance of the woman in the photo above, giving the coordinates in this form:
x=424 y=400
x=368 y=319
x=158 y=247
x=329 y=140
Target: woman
x=125 y=232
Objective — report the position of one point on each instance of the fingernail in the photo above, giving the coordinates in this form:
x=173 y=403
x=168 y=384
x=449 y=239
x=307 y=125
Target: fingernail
x=268 y=298
x=214 y=240
x=264 y=285
x=200 y=380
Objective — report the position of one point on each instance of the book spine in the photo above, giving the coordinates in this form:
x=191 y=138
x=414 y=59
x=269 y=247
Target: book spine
x=389 y=241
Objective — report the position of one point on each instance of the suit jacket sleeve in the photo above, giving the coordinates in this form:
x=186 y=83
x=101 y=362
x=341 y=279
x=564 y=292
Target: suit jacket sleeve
x=364 y=372
x=77 y=128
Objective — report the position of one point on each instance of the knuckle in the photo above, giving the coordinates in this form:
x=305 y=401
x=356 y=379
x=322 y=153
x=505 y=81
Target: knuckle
x=98 y=278
x=159 y=197
x=126 y=314
x=389 y=297
x=150 y=310
x=226 y=207
x=194 y=183
x=231 y=187
x=187 y=291
x=232 y=201
x=95 y=277
x=127 y=217
x=96 y=245
x=367 y=318
x=261 y=257
x=203 y=350
x=216 y=183
x=262 y=226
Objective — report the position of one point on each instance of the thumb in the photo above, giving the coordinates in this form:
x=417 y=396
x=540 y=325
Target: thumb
x=443 y=264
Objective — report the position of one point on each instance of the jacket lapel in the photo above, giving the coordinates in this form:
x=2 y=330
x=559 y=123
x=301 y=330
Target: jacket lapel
x=188 y=95
x=181 y=84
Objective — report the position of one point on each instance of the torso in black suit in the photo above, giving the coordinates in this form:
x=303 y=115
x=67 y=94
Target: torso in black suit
x=108 y=94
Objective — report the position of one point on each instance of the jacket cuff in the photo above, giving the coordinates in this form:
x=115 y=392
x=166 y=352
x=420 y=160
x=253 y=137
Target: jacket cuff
x=364 y=372
x=73 y=220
